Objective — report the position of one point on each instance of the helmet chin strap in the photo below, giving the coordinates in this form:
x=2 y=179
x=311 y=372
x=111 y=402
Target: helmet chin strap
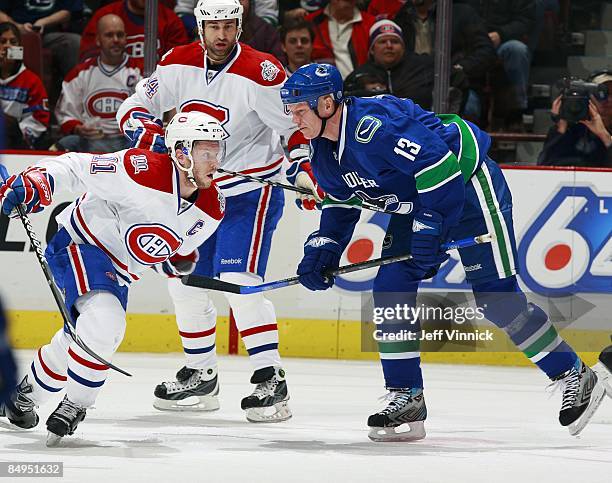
x=325 y=119
x=188 y=170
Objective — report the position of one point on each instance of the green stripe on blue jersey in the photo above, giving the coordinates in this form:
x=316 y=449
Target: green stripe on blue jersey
x=469 y=153
x=331 y=202
x=437 y=174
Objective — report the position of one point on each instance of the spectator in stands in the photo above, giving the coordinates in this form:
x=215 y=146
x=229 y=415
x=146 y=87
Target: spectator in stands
x=297 y=36
x=259 y=34
x=341 y=35
x=471 y=48
x=587 y=143
x=22 y=94
x=93 y=91
x=48 y=18
x=385 y=8
x=266 y=10
x=509 y=24
x=170 y=29
x=365 y=81
x=407 y=74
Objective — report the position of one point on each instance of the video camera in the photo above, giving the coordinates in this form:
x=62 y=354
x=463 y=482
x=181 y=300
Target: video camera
x=576 y=94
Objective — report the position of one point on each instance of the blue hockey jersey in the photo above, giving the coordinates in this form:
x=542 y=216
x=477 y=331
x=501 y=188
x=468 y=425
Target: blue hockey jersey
x=393 y=154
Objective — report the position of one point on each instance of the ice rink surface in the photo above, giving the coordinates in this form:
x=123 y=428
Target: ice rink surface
x=489 y=424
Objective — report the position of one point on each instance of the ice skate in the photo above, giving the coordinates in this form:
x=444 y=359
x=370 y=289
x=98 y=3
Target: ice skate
x=193 y=390
x=20 y=409
x=603 y=369
x=582 y=395
x=64 y=421
x=405 y=407
x=268 y=403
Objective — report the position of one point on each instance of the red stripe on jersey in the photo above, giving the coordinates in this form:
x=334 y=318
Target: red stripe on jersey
x=159 y=171
x=261 y=216
x=195 y=335
x=258 y=330
x=211 y=202
x=86 y=363
x=78 y=268
x=49 y=372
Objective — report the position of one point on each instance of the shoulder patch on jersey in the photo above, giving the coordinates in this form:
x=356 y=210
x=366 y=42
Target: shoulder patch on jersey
x=269 y=71
x=149 y=169
x=366 y=128
x=191 y=54
x=263 y=69
x=212 y=202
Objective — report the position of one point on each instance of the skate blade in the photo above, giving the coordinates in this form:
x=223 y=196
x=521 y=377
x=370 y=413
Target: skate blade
x=604 y=376
x=596 y=397
x=53 y=440
x=272 y=414
x=416 y=431
x=191 y=403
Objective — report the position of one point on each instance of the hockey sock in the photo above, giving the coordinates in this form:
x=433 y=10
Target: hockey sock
x=47 y=372
x=196 y=317
x=526 y=324
x=397 y=333
x=256 y=320
x=101 y=325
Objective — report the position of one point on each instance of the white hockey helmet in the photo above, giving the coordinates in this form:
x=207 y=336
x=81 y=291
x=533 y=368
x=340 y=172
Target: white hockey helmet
x=188 y=127
x=218 y=10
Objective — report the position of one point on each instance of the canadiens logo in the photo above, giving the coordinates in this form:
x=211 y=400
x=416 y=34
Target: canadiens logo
x=220 y=113
x=104 y=104
x=269 y=71
x=150 y=244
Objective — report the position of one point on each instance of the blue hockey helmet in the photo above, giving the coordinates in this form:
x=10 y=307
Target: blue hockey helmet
x=310 y=82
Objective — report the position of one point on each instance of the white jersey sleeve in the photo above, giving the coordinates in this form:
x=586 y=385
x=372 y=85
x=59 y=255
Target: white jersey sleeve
x=101 y=174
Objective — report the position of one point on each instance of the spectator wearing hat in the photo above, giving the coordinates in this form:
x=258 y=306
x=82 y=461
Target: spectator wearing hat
x=586 y=143
x=22 y=95
x=341 y=35
x=297 y=37
x=407 y=74
x=93 y=91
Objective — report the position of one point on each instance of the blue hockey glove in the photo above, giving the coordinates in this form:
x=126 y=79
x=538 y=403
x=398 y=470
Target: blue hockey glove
x=33 y=189
x=320 y=254
x=427 y=236
x=146 y=134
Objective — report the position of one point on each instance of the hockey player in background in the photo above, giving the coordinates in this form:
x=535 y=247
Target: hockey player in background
x=434 y=174
x=240 y=87
x=140 y=210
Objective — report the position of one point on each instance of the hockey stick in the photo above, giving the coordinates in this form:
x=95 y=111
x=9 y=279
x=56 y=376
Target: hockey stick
x=57 y=295
x=304 y=191
x=221 y=286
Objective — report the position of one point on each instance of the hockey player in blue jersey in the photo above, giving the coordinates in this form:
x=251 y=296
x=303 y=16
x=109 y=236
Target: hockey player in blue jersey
x=433 y=173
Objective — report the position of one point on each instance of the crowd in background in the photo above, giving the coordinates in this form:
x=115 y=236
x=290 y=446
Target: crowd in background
x=93 y=57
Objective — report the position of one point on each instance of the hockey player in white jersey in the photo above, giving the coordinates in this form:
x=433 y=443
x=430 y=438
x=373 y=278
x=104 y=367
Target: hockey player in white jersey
x=240 y=87
x=140 y=210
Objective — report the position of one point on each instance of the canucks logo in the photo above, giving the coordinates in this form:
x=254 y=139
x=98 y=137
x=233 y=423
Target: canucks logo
x=366 y=128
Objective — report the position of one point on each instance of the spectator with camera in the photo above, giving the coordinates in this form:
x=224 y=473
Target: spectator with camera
x=297 y=37
x=170 y=29
x=50 y=19
x=22 y=94
x=93 y=91
x=582 y=114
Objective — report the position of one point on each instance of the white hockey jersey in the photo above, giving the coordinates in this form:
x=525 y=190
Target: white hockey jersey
x=244 y=96
x=132 y=209
x=95 y=90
